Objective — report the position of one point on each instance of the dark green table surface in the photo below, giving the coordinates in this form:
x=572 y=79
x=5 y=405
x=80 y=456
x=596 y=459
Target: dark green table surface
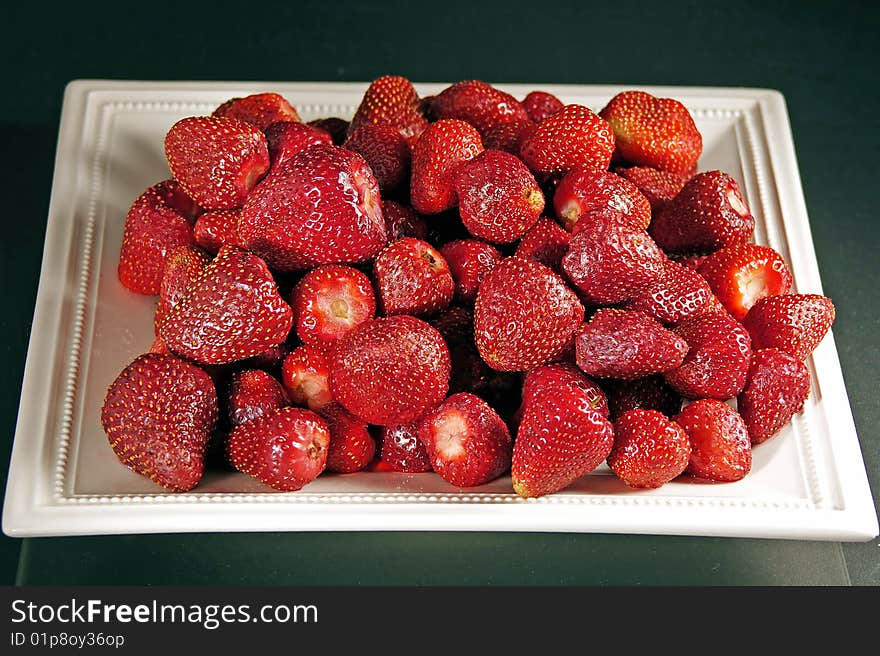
x=822 y=56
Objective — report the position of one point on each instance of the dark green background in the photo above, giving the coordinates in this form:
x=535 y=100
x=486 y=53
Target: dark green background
x=820 y=55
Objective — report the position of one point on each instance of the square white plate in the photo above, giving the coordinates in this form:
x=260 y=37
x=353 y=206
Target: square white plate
x=808 y=482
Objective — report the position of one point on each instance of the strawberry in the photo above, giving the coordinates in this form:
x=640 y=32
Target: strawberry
x=173 y=195
x=478 y=103
x=741 y=275
x=185 y=264
x=153 y=230
x=678 y=294
x=717 y=362
x=393 y=101
x=659 y=187
x=218 y=228
x=508 y=136
x=285 y=449
x=793 y=323
x=611 y=260
x=253 y=393
x=403 y=221
x=469 y=261
x=560 y=439
x=708 y=213
x=720 y=446
x=230 y=312
x=287 y=138
x=574 y=137
x=466 y=440
x=657 y=132
x=305 y=374
x=649 y=449
x=336 y=127
x=412 y=277
x=321 y=206
x=259 y=109
x=584 y=190
x=469 y=372
x=545 y=242
x=498 y=198
x=540 y=104
x=778 y=386
x=524 y=316
x=649 y=393
x=330 y=301
x=390 y=371
x=385 y=150
x=351 y=445
x=158 y=415
x=437 y=158
x=563 y=377
x=402 y=450
x=627 y=345
x=217 y=161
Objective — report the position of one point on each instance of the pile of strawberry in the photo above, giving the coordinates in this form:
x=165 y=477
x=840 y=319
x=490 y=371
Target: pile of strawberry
x=467 y=284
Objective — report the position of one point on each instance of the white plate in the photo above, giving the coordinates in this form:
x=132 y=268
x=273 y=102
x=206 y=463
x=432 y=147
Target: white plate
x=808 y=482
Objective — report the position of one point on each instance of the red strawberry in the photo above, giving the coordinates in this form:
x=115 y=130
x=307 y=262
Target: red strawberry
x=287 y=138
x=403 y=221
x=437 y=158
x=259 y=109
x=322 y=206
x=231 y=312
x=778 y=386
x=717 y=363
x=152 y=231
x=498 y=198
x=469 y=261
x=390 y=371
x=610 y=260
x=330 y=301
x=402 y=450
x=659 y=187
x=540 y=104
x=217 y=161
x=793 y=323
x=649 y=449
x=218 y=228
x=253 y=393
x=173 y=195
x=412 y=277
x=285 y=449
x=720 y=446
x=742 y=274
x=657 y=132
x=709 y=213
x=649 y=393
x=565 y=378
x=559 y=440
x=508 y=136
x=351 y=445
x=158 y=415
x=336 y=127
x=574 y=137
x=627 y=345
x=391 y=100
x=467 y=441
x=525 y=315
x=585 y=190
x=185 y=264
x=678 y=294
x=545 y=242
x=305 y=374
x=385 y=150
x=478 y=103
